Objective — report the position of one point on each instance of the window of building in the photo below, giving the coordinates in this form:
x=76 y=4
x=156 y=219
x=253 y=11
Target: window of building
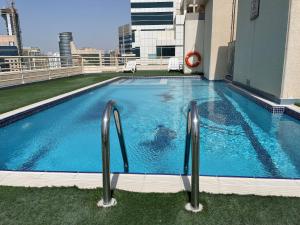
x=165 y=51
x=136 y=51
x=152 y=5
x=133 y=36
x=152 y=18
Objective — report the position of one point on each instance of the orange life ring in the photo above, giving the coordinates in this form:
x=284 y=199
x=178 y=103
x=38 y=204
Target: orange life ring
x=191 y=54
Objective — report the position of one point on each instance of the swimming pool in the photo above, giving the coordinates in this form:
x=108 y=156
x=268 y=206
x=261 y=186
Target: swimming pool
x=238 y=137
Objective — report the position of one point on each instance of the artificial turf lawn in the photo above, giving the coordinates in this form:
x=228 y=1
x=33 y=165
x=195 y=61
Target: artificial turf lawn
x=16 y=97
x=74 y=206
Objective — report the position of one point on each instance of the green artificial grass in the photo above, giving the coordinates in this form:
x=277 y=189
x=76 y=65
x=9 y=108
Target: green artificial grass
x=74 y=206
x=16 y=97
x=298 y=104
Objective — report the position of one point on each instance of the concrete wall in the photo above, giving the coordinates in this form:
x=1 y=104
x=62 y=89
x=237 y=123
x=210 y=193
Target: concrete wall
x=291 y=77
x=193 y=40
x=260 y=46
x=207 y=38
x=217 y=36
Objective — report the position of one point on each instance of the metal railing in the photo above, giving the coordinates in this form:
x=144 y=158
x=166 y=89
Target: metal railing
x=30 y=63
x=111 y=107
x=17 y=70
x=116 y=64
x=193 y=132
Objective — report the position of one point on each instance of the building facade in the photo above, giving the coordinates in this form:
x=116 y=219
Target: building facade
x=157 y=28
x=8 y=64
x=54 y=60
x=13 y=35
x=90 y=56
x=125 y=40
x=65 y=39
x=71 y=55
x=32 y=51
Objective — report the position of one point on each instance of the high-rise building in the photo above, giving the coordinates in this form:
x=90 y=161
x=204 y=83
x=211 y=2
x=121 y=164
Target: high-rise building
x=70 y=54
x=13 y=35
x=157 y=28
x=125 y=40
x=65 y=39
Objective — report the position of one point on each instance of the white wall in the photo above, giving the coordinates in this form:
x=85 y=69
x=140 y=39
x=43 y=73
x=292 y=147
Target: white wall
x=260 y=46
x=217 y=36
x=207 y=38
x=291 y=78
x=193 y=40
x=148 y=40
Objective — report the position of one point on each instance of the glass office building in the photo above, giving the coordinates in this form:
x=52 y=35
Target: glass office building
x=157 y=28
x=125 y=40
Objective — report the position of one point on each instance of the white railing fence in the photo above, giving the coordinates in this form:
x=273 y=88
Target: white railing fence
x=116 y=64
x=16 y=70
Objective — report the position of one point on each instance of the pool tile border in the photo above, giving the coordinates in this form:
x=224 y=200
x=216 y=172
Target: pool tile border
x=154 y=183
x=273 y=108
x=293 y=111
x=270 y=106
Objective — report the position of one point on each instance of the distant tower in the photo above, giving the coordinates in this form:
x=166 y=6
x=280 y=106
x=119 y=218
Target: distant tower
x=65 y=40
x=11 y=17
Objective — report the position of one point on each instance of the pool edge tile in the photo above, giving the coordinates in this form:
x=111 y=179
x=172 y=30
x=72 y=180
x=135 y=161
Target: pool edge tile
x=155 y=183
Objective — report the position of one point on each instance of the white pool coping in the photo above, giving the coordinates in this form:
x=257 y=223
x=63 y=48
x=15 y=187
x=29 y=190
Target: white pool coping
x=294 y=108
x=54 y=99
x=143 y=183
x=154 y=183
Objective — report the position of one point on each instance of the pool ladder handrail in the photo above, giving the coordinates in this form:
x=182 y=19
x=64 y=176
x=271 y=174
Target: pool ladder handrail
x=111 y=107
x=193 y=132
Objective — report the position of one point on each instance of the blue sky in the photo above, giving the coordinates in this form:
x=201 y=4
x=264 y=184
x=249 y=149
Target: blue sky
x=94 y=23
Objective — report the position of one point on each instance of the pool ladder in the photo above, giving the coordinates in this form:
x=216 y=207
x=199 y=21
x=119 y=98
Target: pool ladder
x=111 y=107
x=192 y=133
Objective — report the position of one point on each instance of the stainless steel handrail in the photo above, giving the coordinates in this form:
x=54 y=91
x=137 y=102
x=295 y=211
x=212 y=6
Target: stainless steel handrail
x=111 y=107
x=193 y=132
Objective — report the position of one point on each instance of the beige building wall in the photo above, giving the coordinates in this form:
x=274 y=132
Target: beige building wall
x=217 y=35
x=291 y=76
x=84 y=51
x=207 y=37
x=260 y=46
x=6 y=40
x=194 y=40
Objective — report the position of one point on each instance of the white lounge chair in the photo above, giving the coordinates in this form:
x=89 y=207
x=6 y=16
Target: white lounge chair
x=130 y=67
x=174 y=65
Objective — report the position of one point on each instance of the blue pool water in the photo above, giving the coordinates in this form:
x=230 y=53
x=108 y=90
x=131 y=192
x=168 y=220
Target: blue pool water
x=238 y=137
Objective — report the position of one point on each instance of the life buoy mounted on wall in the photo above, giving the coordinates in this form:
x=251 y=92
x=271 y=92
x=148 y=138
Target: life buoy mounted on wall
x=191 y=54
